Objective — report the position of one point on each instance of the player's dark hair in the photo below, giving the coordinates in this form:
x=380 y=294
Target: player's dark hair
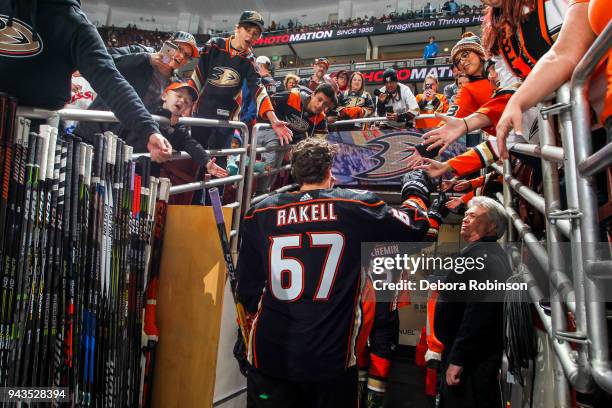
x=327 y=90
x=311 y=159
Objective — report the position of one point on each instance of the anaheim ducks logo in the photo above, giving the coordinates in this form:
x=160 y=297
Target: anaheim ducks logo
x=16 y=40
x=224 y=77
x=392 y=151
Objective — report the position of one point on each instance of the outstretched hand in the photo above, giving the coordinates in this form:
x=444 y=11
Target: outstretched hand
x=285 y=135
x=214 y=169
x=446 y=134
x=434 y=168
x=159 y=147
x=415 y=159
x=512 y=118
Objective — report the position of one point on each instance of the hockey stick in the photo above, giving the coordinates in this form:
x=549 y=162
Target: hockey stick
x=229 y=262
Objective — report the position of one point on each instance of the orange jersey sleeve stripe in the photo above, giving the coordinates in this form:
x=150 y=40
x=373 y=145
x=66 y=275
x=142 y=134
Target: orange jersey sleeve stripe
x=474 y=159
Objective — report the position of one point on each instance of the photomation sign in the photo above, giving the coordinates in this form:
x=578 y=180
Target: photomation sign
x=376 y=29
x=413 y=74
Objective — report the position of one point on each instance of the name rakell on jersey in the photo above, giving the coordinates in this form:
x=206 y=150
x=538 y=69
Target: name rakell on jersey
x=316 y=212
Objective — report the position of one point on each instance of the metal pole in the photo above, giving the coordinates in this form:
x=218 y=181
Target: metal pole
x=580 y=315
x=550 y=184
x=562 y=284
x=600 y=160
x=531 y=196
x=251 y=168
x=240 y=193
x=595 y=300
x=507 y=200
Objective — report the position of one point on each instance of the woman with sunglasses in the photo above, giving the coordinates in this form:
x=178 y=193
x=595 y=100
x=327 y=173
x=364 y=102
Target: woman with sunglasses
x=469 y=56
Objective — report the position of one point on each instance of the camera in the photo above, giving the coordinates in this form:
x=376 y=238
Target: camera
x=428 y=86
x=167 y=51
x=377 y=92
x=388 y=109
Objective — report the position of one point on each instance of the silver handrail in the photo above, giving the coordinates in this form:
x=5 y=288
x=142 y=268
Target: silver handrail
x=589 y=227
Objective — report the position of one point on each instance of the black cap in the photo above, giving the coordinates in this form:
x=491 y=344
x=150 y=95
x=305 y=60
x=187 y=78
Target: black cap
x=252 y=17
x=389 y=75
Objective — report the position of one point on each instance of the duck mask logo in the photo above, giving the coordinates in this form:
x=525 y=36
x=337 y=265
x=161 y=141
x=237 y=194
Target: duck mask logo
x=393 y=150
x=16 y=40
x=224 y=77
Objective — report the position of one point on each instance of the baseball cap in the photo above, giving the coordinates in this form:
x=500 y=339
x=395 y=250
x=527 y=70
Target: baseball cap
x=322 y=60
x=178 y=85
x=262 y=59
x=390 y=75
x=252 y=17
x=186 y=38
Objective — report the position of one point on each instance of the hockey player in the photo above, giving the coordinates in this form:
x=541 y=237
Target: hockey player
x=299 y=278
x=223 y=66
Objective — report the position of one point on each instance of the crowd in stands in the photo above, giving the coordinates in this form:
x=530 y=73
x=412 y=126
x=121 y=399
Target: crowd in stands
x=122 y=36
x=446 y=9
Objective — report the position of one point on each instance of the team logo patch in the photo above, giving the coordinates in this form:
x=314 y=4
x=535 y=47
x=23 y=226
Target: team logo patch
x=16 y=40
x=224 y=77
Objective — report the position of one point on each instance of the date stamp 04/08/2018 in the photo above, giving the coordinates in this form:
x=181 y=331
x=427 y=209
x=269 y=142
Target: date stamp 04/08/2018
x=33 y=394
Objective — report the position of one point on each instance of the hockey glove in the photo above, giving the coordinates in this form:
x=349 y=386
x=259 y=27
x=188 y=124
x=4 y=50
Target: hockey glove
x=430 y=154
x=417 y=183
x=438 y=209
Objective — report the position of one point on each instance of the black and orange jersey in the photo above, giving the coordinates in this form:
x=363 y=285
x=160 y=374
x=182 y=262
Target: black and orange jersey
x=470 y=98
x=218 y=78
x=523 y=47
x=438 y=104
x=290 y=106
x=355 y=105
x=299 y=273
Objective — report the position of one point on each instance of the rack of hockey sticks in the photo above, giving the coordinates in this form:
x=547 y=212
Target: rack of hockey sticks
x=77 y=249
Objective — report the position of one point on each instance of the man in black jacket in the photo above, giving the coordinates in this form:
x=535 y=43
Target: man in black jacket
x=469 y=323
x=148 y=72
x=56 y=39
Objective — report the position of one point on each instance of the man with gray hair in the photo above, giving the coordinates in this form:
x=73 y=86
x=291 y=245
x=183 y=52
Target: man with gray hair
x=469 y=321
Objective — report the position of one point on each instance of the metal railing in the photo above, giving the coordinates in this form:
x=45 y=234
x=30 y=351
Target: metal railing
x=583 y=295
x=53 y=118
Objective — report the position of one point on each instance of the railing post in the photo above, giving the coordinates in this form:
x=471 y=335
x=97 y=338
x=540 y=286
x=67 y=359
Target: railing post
x=550 y=185
x=583 y=147
x=573 y=206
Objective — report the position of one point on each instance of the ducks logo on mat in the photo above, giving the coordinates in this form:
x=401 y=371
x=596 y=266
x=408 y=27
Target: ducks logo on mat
x=392 y=151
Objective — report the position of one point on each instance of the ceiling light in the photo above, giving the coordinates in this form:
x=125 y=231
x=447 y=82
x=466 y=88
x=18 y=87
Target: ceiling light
x=446 y=50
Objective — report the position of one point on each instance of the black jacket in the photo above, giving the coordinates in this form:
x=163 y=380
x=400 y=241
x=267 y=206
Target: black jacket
x=138 y=71
x=39 y=73
x=179 y=137
x=472 y=331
